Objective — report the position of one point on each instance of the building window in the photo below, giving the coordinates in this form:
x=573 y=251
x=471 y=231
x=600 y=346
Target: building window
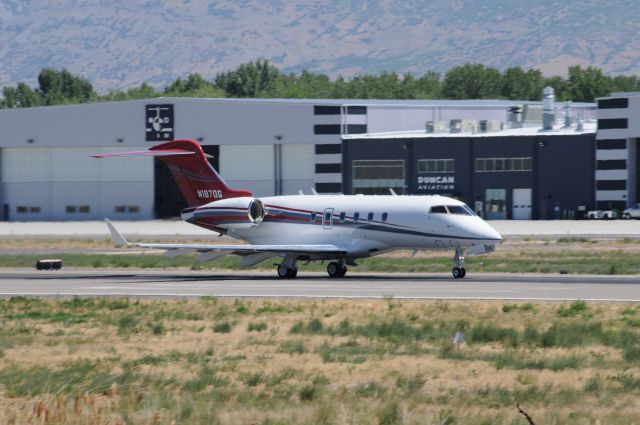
x=356 y=129
x=373 y=177
x=611 y=185
x=328 y=168
x=328 y=149
x=495 y=204
x=504 y=164
x=321 y=129
x=84 y=209
x=326 y=110
x=436 y=165
x=71 y=209
x=34 y=210
x=616 y=103
x=119 y=208
x=133 y=209
x=612 y=144
x=22 y=210
x=611 y=164
x=357 y=110
x=329 y=187
x=612 y=123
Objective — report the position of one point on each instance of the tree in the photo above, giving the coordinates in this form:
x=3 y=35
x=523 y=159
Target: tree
x=471 y=81
x=59 y=87
x=194 y=86
x=584 y=85
x=21 y=96
x=520 y=85
x=253 y=79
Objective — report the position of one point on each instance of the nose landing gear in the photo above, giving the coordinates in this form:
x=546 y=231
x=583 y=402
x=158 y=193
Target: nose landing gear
x=458 y=271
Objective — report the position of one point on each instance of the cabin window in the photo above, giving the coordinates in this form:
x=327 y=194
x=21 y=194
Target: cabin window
x=313 y=217
x=439 y=209
x=384 y=217
x=342 y=216
x=458 y=209
x=356 y=216
x=370 y=216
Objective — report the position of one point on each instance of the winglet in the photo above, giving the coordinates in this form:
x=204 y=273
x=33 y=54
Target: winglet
x=116 y=236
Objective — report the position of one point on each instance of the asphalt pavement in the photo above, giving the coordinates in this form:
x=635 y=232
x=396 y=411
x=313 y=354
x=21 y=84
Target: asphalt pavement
x=194 y=284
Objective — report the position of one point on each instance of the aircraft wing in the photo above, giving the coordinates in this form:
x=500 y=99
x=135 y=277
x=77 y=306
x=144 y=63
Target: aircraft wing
x=209 y=252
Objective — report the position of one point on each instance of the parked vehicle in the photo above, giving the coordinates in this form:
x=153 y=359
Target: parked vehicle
x=602 y=215
x=632 y=212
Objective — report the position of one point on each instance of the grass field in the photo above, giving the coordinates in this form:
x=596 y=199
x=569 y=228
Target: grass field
x=559 y=255
x=119 y=361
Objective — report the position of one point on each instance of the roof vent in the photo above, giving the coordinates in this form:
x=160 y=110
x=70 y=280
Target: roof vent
x=548 y=108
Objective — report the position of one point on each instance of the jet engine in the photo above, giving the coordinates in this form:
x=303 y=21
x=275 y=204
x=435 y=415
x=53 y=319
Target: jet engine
x=228 y=214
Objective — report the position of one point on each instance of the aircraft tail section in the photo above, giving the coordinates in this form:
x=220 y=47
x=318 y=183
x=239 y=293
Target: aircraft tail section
x=197 y=179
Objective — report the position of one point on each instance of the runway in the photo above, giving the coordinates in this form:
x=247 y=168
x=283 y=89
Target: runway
x=194 y=284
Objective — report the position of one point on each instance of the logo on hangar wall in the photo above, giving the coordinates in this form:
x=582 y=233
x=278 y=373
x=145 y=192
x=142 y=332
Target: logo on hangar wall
x=436 y=183
x=159 y=123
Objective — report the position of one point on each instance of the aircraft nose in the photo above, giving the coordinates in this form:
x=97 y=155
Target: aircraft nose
x=491 y=234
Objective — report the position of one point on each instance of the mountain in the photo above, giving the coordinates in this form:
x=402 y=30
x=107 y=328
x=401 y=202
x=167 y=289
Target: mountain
x=118 y=44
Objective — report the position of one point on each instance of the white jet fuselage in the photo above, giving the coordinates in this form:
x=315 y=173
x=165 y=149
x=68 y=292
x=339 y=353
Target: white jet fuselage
x=362 y=225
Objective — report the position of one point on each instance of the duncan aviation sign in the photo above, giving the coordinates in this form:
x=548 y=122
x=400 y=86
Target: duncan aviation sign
x=436 y=183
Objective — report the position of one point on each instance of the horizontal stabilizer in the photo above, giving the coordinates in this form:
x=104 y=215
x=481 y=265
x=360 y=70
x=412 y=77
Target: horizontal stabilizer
x=160 y=152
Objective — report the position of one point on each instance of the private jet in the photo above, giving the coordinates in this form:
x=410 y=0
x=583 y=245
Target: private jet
x=340 y=229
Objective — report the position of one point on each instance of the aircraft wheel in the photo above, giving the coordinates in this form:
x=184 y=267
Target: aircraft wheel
x=292 y=273
x=283 y=272
x=343 y=271
x=334 y=269
x=458 y=272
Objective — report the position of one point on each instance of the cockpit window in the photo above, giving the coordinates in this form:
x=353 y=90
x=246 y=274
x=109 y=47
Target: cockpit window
x=439 y=209
x=458 y=209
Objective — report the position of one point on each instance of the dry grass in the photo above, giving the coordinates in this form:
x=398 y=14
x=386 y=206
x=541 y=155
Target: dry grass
x=102 y=361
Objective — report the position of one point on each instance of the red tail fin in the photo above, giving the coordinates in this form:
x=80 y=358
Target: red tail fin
x=198 y=181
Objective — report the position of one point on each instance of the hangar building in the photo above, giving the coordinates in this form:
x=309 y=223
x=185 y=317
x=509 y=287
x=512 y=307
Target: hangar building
x=270 y=147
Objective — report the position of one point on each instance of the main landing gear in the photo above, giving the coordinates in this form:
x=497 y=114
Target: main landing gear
x=287 y=269
x=336 y=269
x=458 y=271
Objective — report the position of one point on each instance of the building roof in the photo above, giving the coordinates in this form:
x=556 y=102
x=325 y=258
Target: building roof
x=469 y=103
x=588 y=128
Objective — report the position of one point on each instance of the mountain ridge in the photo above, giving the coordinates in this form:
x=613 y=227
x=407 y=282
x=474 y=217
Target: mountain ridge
x=122 y=46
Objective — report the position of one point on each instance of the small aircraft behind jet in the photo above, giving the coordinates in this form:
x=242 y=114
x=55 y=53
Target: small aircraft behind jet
x=336 y=228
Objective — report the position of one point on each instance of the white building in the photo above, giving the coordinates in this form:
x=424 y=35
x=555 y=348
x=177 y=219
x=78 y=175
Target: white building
x=270 y=147
x=617 y=178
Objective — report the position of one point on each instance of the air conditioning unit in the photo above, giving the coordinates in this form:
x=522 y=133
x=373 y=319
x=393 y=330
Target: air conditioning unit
x=490 y=126
x=435 y=127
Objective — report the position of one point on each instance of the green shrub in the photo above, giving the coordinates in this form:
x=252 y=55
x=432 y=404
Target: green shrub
x=222 y=327
x=307 y=393
x=315 y=326
x=127 y=323
x=258 y=326
x=292 y=347
x=577 y=307
x=490 y=333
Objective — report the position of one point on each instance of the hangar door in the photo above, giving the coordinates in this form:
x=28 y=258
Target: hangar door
x=521 y=204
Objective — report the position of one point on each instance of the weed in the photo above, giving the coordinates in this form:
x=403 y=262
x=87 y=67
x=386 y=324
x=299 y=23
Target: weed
x=257 y=326
x=577 y=307
x=411 y=385
x=371 y=389
x=389 y=414
x=292 y=347
x=308 y=393
x=222 y=327
x=252 y=379
x=127 y=324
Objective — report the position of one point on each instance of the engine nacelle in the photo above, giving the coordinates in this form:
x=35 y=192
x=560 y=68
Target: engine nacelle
x=232 y=213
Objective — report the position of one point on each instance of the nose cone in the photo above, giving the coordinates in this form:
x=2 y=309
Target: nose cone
x=491 y=234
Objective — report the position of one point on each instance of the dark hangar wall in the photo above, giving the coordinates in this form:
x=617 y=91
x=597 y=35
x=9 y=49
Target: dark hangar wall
x=561 y=178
